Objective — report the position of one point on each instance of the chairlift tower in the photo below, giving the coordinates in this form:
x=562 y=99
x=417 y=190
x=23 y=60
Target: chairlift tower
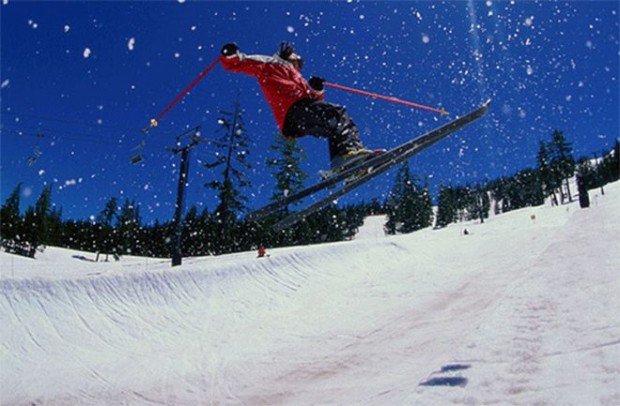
x=193 y=136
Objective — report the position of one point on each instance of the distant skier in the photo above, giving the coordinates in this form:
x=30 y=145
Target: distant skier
x=298 y=105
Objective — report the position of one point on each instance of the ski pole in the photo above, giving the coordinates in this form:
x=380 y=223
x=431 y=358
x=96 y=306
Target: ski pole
x=180 y=96
x=392 y=99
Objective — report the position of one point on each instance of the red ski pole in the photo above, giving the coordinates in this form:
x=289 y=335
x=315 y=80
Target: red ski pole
x=441 y=111
x=183 y=93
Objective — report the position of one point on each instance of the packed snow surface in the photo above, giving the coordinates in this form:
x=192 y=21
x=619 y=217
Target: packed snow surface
x=522 y=310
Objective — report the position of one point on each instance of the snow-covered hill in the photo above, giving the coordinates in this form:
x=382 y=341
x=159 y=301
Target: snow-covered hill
x=520 y=311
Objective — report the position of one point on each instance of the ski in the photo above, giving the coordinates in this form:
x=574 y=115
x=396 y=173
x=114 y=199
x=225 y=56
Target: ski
x=374 y=166
x=423 y=142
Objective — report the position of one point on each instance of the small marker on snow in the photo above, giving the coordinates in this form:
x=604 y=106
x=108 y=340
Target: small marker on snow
x=262 y=252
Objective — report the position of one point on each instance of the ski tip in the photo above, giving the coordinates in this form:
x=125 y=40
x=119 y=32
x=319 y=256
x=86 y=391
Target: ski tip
x=486 y=103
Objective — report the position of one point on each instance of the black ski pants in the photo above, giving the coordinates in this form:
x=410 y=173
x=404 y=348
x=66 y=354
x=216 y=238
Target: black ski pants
x=325 y=120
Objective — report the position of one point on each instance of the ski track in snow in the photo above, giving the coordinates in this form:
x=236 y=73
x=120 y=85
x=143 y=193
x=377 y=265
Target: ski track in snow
x=521 y=311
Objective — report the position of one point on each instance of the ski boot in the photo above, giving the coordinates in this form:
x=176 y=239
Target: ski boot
x=350 y=160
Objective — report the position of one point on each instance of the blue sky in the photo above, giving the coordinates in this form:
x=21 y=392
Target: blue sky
x=90 y=75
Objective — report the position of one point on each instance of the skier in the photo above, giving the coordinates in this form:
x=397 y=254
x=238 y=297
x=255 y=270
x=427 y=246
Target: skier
x=297 y=105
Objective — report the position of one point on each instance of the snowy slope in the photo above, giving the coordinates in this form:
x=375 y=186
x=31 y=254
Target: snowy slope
x=521 y=311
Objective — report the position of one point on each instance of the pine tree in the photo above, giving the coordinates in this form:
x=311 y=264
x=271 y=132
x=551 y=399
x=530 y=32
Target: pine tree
x=497 y=188
x=374 y=208
x=446 y=209
x=288 y=174
x=35 y=225
x=106 y=236
x=409 y=205
x=189 y=243
x=531 y=179
x=424 y=212
x=129 y=228
x=563 y=162
x=463 y=203
x=548 y=182
x=30 y=231
x=233 y=158
x=55 y=227
x=479 y=203
x=327 y=225
x=198 y=233
x=286 y=168
x=608 y=167
x=43 y=208
x=10 y=219
x=157 y=239
x=517 y=191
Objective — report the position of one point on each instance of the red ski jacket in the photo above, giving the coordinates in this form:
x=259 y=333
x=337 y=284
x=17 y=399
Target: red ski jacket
x=280 y=82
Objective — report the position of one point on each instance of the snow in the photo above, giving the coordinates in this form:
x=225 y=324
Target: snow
x=372 y=228
x=520 y=311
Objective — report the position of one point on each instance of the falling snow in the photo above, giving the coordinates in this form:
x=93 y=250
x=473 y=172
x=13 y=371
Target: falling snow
x=529 y=21
x=553 y=60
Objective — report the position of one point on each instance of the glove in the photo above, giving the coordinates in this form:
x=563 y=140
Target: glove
x=286 y=50
x=316 y=83
x=229 y=49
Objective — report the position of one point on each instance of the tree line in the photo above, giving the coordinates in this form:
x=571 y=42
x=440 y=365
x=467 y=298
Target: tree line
x=409 y=206
x=119 y=229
